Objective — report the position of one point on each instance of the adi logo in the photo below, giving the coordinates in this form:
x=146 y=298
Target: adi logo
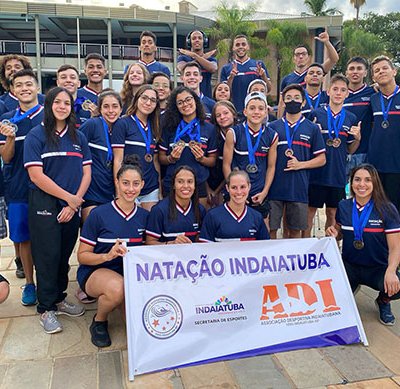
x=298 y=299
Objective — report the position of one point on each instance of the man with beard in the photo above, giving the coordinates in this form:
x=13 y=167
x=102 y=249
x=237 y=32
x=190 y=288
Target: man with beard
x=242 y=71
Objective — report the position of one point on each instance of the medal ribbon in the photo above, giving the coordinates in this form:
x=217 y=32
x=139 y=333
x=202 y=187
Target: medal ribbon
x=385 y=111
x=146 y=137
x=335 y=123
x=107 y=136
x=309 y=101
x=184 y=129
x=78 y=104
x=360 y=221
x=252 y=149
x=289 y=137
x=18 y=117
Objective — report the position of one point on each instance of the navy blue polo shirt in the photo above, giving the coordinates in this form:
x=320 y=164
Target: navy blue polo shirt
x=127 y=136
x=384 y=145
x=3 y=108
x=247 y=72
x=208 y=141
x=15 y=176
x=101 y=189
x=86 y=93
x=241 y=153
x=62 y=163
x=307 y=144
x=155 y=66
x=323 y=101
x=163 y=228
x=333 y=173
x=205 y=85
x=208 y=104
x=11 y=102
x=104 y=226
x=293 y=78
x=359 y=103
x=375 y=251
x=222 y=224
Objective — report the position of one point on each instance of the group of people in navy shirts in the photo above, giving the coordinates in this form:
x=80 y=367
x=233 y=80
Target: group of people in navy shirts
x=156 y=165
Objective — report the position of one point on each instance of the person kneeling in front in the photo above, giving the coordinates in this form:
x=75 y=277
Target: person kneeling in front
x=100 y=274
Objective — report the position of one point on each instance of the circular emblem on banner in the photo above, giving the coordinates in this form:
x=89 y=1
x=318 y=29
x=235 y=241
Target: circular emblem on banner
x=162 y=317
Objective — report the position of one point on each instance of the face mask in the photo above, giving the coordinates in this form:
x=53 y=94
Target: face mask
x=293 y=107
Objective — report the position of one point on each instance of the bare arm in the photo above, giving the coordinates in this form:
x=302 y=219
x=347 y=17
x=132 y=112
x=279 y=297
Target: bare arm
x=8 y=149
x=85 y=182
x=333 y=56
x=118 y=158
x=86 y=256
x=334 y=231
x=295 y=164
x=391 y=281
x=228 y=154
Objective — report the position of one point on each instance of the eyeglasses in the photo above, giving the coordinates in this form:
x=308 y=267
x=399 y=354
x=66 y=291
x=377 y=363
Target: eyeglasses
x=301 y=54
x=145 y=99
x=188 y=100
x=158 y=85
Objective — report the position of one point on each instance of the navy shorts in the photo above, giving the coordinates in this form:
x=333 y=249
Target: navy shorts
x=320 y=195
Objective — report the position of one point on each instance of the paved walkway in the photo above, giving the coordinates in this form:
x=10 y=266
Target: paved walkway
x=29 y=358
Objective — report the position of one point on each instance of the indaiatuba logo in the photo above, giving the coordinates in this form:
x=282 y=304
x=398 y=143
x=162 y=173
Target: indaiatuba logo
x=222 y=305
x=162 y=317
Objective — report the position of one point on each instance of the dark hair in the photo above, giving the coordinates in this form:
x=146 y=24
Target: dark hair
x=24 y=73
x=316 y=65
x=130 y=162
x=160 y=74
x=65 y=67
x=150 y=34
x=305 y=46
x=108 y=92
x=172 y=117
x=217 y=85
x=3 y=62
x=360 y=60
x=190 y=65
x=338 y=77
x=297 y=87
x=95 y=56
x=384 y=207
x=154 y=117
x=195 y=196
x=49 y=119
x=228 y=105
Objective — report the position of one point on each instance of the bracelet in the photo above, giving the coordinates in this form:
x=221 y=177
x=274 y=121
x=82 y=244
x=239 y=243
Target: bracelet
x=199 y=159
x=171 y=159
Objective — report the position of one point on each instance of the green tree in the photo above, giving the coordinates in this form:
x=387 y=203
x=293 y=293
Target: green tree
x=387 y=28
x=317 y=8
x=284 y=37
x=358 y=42
x=357 y=5
x=231 y=21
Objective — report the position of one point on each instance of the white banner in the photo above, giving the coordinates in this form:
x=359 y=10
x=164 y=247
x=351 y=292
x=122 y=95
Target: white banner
x=193 y=303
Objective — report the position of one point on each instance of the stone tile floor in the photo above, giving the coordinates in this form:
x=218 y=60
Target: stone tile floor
x=29 y=358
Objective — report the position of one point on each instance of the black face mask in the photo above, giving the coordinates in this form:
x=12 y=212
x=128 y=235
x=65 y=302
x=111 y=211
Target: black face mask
x=293 y=107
